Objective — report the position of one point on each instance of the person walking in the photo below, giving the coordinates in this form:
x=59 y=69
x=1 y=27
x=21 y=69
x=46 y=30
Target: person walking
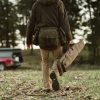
x=49 y=28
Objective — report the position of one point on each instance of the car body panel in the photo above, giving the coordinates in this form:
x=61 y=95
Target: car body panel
x=11 y=57
x=8 y=61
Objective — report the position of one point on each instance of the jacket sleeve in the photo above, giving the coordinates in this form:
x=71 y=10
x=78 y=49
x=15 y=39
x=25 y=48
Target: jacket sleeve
x=30 y=26
x=64 y=22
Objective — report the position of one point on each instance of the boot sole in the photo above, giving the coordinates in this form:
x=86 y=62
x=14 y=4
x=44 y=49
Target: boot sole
x=55 y=83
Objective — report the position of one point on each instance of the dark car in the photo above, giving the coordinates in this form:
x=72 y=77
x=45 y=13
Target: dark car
x=10 y=58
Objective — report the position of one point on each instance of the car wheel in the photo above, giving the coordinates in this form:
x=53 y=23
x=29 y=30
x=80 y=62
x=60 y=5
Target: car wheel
x=2 y=66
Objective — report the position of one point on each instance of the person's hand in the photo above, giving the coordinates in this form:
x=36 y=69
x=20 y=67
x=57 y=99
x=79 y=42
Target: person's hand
x=71 y=42
x=29 y=46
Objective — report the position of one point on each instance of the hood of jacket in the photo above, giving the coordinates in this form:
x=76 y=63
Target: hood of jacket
x=47 y=2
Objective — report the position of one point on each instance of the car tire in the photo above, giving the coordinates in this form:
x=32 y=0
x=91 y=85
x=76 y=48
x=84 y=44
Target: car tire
x=2 y=66
x=14 y=67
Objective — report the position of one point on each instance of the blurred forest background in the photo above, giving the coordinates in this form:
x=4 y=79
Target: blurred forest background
x=84 y=18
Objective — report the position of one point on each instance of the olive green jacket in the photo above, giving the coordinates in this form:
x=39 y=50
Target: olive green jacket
x=48 y=13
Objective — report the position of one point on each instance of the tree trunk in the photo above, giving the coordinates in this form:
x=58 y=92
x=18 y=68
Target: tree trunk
x=7 y=28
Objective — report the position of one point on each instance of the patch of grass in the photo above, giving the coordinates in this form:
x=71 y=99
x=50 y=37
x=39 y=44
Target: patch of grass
x=32 y=61
x=79 y=85
x=25 y=83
